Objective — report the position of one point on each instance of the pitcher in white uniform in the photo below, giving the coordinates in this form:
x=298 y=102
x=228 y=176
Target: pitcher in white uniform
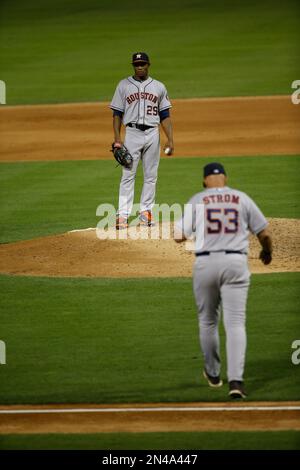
x=141 y=104
x=221 y=276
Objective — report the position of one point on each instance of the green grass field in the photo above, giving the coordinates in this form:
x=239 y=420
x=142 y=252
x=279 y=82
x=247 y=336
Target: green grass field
x=285 y=440
x=77 y=50
x=92 y=340
x=42 y=198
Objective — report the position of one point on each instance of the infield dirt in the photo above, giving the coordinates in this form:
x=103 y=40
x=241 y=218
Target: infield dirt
x=266 y=125
x=153 y=417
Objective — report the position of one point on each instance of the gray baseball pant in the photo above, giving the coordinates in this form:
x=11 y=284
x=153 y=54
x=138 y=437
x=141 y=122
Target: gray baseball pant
x=143 y=145
x=222 y=279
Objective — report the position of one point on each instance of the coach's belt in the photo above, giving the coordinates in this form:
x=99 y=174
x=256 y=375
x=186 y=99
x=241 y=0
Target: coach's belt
x=141 y=127
x=227 y=252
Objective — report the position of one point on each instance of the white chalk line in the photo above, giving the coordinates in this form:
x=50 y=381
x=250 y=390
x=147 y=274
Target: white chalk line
x=90 y=229
x=152 y=409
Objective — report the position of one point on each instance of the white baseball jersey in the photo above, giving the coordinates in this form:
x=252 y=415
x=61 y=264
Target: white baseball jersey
x=227 y=218
x=141 y=102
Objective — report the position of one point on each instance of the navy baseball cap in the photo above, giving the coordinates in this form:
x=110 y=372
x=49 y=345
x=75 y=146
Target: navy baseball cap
x=213 y=169
x=140 y=57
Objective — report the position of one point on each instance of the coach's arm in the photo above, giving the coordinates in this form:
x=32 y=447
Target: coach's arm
x=265 y=240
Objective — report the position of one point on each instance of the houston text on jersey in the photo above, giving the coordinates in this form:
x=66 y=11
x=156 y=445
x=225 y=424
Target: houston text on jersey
x=141 y=96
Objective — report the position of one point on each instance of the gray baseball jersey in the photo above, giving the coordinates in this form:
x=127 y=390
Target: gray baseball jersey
x=141 y=102
x=229 y=216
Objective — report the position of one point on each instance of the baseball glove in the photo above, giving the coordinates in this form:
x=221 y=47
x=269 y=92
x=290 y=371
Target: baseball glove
x=122 y=155
x=265 y=257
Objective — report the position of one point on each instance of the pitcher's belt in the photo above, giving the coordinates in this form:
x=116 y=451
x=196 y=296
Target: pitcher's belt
x=227 y=252
x=141 y=127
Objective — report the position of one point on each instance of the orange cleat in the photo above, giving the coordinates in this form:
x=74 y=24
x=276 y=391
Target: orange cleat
x=146 y=219
x=121 y=223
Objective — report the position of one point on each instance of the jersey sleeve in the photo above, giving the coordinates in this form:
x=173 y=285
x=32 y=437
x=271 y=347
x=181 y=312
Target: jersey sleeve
x=117 y=102
x=164 y=102
x=256 y=220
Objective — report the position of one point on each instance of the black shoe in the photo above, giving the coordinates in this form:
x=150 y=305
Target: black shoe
x=236 y=389
x=214 y=382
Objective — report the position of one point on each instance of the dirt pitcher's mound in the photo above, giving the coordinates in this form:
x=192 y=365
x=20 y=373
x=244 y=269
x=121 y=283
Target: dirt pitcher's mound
x=82 y=254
